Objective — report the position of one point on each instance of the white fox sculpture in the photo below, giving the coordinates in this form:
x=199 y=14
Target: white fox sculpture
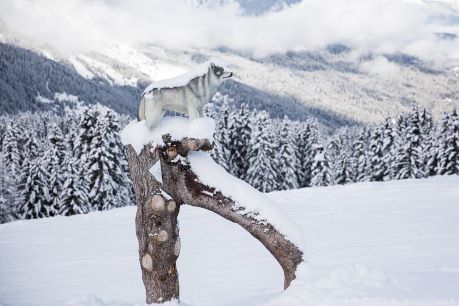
x=186 y=94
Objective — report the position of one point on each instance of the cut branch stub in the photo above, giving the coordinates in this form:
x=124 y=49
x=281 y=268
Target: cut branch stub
x=172 y=152
x=171 y=205
x=157 y=202
x=147 y=262
x=162 y=236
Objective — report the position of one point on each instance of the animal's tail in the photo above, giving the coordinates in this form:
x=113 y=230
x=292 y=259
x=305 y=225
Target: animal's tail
x=141 y=111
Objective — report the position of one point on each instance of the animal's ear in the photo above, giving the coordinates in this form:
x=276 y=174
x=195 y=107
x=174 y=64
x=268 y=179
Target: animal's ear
x=212 y=65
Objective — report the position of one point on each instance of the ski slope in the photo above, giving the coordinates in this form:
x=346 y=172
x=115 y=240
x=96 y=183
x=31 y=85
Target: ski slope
x=392 y=243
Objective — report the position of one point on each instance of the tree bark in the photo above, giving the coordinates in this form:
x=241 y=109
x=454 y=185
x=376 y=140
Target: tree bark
x=156 y=229
x=184 y=187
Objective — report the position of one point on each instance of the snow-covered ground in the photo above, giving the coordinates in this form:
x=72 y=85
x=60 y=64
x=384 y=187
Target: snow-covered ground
x=393 y=243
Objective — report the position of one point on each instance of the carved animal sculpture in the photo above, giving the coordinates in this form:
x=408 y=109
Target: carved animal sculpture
x=186 y=94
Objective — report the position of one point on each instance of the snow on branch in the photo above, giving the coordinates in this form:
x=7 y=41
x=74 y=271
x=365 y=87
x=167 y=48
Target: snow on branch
x=250 y=201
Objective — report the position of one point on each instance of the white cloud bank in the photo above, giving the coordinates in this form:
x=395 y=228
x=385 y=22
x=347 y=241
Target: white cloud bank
x=366 y=25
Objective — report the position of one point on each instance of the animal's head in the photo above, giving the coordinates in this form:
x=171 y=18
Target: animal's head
x=220 y=72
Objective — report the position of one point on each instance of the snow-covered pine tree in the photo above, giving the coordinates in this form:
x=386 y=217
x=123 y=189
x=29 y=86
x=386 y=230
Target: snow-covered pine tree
x=388 y=149
x=239 y=142
x=10 y=149
x=119 y=170
x=340 y=160
x=307 y=137
x=448 y=156
x=221 y=152
x=286 y=163
x=10 y=160
x=6 y=185
x=56 y=140
x=261 y=173
x=31 y=148
x=320 y=168
x=209 y=110
x=109 y=186
x=53 y=158
x=86 y=132
x=359 y=156
x=74 y=195
x=409 y=160
x=427 y=142
x=376 y=168
x=34 y=191
x=5 y=213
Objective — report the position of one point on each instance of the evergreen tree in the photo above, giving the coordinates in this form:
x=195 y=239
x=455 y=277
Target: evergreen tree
x=31 y=148
x=221 y=151
x=5 y=213
x=119 y=170
x=74 y=195
x=339 y=154
x=87 y=130
x=239 y=142
x=409 y=160
x=109 y=186
x=448 y=157
x=261 y=173
x=285 y=164
x=34 y=192
x=7 y=190
x=429 y=147
x=376 y=170
x=388 y=149
x=320 y=168
x=359 y=156
x=306 y=138
x=56 y=141
x=10 y=150
x=10 y=160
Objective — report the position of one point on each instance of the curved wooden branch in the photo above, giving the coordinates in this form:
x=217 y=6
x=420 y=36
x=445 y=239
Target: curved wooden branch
x=183 y=185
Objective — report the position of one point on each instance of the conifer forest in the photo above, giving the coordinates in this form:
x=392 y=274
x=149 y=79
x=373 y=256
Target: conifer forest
x=74 y=163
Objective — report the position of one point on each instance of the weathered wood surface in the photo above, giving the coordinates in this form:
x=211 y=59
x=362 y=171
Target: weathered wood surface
x=156 y=229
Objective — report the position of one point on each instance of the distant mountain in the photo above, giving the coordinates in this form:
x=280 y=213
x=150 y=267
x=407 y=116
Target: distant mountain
x=331 y=84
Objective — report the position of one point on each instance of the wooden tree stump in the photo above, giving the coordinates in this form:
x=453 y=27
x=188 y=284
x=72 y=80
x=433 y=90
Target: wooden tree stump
x=156 y=221
x=156 y=224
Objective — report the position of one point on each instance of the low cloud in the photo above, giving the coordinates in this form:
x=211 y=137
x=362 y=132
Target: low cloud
x=382 y=26
x=381 y=66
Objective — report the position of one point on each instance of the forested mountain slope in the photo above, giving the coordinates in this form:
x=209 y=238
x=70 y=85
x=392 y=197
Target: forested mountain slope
x=333 y=85
x=29 y=82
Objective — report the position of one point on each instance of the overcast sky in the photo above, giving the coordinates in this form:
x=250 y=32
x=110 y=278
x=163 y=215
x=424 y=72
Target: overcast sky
x=366 y=25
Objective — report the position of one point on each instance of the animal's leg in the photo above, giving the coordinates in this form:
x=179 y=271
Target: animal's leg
x=193 y=112
x=153 y=113
x=141 y=111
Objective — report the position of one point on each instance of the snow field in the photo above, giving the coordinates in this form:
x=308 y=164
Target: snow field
x=367 y=244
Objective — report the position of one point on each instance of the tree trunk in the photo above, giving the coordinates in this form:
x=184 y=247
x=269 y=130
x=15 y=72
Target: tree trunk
x=156 y=219
x=156 y=229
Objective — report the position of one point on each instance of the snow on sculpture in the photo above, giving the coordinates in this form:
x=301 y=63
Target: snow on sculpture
x=186 y=94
